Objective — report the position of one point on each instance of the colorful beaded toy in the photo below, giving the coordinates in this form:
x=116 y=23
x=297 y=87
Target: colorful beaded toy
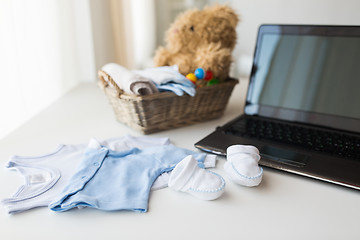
x=202 y=78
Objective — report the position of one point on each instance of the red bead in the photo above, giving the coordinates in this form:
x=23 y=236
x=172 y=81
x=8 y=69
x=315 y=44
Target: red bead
x=208 y=75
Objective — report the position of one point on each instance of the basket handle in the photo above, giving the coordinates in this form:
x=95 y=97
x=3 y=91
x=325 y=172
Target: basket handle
x=105 y=79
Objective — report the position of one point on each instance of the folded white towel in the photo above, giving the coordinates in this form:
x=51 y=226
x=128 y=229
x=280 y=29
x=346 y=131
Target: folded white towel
x=129 y=81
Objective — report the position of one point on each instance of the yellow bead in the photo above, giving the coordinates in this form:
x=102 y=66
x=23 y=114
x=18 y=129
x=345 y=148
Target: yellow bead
x=191 y=77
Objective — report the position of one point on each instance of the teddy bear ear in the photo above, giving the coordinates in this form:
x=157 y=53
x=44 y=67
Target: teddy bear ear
x=224 y=11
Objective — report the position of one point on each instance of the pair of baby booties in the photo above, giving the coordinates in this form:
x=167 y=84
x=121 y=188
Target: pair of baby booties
x=241 y=167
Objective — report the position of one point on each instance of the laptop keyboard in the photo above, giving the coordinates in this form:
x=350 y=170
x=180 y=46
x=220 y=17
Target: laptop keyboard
x=334 y=143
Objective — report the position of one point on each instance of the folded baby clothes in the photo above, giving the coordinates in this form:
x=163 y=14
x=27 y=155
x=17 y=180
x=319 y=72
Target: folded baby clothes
x=129 y=81
x=188 y=177
x=110 y=180
x=242 y=165
x=168 y=78
x=47 y=175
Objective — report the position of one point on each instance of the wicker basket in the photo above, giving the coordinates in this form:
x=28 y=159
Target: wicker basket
x=165 y=110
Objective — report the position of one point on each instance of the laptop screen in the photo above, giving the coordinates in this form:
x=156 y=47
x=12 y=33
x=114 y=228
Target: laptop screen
x=308 y=74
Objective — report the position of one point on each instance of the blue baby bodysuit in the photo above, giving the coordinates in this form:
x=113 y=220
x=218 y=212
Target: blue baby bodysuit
x=110 y=180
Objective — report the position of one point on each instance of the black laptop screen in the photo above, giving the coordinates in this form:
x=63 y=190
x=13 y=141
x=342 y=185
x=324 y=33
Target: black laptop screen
x=307 y=73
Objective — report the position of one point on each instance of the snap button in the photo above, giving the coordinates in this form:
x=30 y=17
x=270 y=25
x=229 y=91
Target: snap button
x=96 y=164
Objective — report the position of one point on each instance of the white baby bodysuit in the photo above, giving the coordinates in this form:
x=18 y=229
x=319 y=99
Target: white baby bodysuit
x=45 y=176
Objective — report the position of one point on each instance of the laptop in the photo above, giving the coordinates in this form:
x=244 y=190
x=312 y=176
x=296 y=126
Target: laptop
x=302 y=107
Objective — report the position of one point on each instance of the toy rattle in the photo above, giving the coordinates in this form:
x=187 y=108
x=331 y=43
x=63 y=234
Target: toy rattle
x=202 y=78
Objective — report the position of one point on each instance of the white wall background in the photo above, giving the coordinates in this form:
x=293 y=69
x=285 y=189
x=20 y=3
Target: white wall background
x=46 y=49
x=49 y=46
x=253 y=13
x=256 y=12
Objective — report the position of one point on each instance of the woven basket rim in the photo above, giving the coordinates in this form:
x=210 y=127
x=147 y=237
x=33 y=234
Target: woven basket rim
x=171 y=94
x=167 y=94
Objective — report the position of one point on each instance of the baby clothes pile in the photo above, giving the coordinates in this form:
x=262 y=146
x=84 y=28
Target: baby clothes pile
x=150 y=80
x=115 y=174
x=119 y=173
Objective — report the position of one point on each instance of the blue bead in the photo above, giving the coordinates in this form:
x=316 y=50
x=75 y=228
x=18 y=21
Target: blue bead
x=200 y=73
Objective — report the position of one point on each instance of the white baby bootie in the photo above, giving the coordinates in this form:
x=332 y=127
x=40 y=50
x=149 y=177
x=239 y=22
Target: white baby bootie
x=242 y=165
x=188 y=177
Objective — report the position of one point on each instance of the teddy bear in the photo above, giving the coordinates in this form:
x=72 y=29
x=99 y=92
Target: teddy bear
x=201 y=38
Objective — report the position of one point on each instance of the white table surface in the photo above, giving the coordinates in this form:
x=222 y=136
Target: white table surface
x=284 y=206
